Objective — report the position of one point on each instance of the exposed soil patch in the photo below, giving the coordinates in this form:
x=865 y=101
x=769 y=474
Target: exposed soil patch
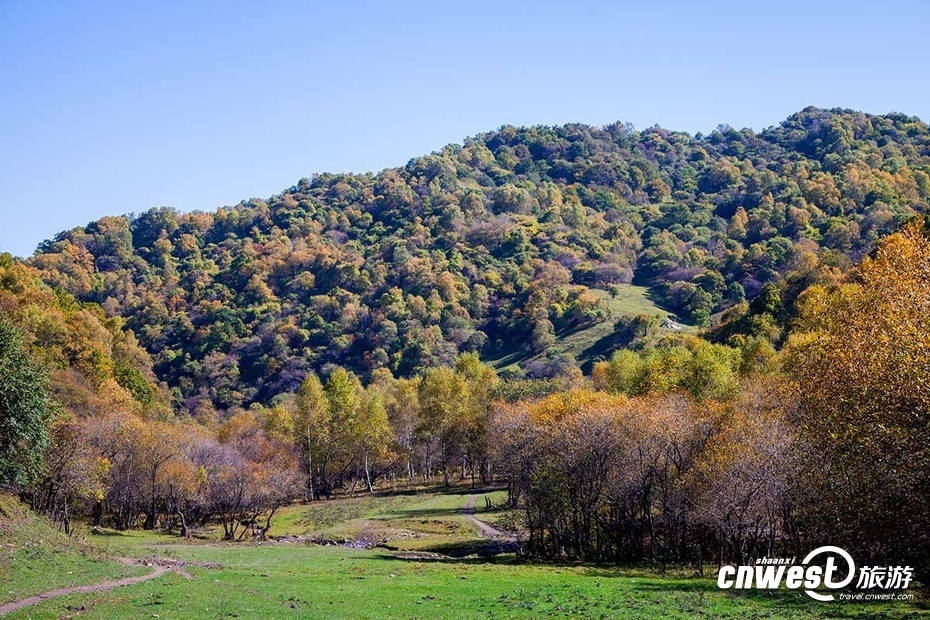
x=487 y=530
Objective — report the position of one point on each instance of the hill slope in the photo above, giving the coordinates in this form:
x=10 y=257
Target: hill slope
x=35 y=557
x=94 y=364
x=499 y=245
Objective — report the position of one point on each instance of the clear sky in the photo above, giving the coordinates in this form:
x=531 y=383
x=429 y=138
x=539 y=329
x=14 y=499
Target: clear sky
x=110 y=108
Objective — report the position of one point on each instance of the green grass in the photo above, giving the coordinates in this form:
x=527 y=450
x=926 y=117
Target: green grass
x=35 y=557
x=293 y=580
x=408 y=521
x=594 y=342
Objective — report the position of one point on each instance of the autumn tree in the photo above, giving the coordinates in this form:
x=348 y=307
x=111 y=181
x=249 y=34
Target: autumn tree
x=311 y=429
x=403 y=406
x=155 y=447
x=480 y=383
x=443 y=397
x=741 y=486
x=706 y=371
x=112 y=437
x=342 y=391
x=71 y=474
x=862 y=359
x=372 y=431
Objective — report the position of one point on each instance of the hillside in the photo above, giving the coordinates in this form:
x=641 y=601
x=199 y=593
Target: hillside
x=94 y=364
x=507 y=245
x=36 y=557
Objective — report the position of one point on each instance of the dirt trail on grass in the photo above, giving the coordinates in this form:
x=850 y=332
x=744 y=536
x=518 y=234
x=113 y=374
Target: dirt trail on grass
x=159 y=568
x=487 y=530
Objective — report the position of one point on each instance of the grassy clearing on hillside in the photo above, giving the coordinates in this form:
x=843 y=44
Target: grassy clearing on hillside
x=594 y=342
x=294 y=580
x=35 y=557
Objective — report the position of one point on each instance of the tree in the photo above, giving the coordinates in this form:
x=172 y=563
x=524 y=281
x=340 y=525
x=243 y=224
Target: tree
x=342 y=391
x=70 y=473
x=155 y=447
x=862 y=360
x=249 y=478
x=113 y=438
x=711 y=372
x=311 y=430
x=403 y=412
x=480 y=381
x=483 y=244
x=373 y=432
x=443 y=396
x=740 y=486
x=25 y=409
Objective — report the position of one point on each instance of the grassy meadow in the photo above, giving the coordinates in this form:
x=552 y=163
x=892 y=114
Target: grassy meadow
x=413 y=555
x=595 y=341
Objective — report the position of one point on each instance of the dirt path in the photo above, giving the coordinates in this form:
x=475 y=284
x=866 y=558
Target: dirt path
x=487 y=530
x=158 y=569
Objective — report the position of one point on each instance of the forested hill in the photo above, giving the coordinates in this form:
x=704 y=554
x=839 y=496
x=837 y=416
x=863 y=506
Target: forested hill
x=496 y=244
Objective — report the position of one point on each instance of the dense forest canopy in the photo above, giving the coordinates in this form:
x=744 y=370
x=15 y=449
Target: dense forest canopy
x=499 y=243
x=176 y=370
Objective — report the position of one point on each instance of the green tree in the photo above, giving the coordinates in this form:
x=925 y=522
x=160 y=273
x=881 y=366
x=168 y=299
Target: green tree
x=342 y=389
x=25 y=409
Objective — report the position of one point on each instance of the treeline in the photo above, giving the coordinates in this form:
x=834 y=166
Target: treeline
x=61 y=357
x=497 y=245
x=662 y=477
x=123 y=470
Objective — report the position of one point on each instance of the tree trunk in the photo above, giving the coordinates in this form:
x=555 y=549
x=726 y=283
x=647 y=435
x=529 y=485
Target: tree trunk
x=368 y=474
x=66 y=520
x=185 y=532
x=309 y=470
x=150 y=517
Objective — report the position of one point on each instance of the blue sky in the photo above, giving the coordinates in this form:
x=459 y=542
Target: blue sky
x=112 y=108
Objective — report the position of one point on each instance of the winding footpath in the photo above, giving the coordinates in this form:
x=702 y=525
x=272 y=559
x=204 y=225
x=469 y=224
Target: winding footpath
x=157 y=571
x=487 y=530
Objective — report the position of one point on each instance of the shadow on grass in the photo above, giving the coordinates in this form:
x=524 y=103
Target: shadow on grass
x=657 y=299
x=460 y=488
x=391 y=515
x=782 y=601
x=576 y=327
x=787 y=599
x=600 y=350
x=429 y=557
x=647 y=580
x=481 y=548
